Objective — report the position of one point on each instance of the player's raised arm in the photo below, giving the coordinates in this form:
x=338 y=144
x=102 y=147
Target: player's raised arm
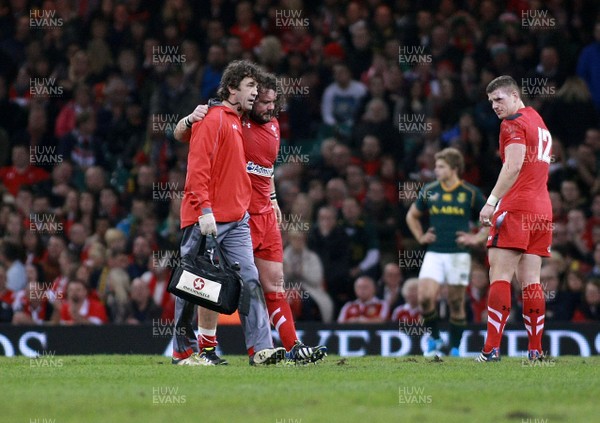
x=183 y=130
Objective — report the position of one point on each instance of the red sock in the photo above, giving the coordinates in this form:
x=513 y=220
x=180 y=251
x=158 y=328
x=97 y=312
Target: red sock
x=207 y=338
x=498 y=311
x=281 y=318
x=534 y=311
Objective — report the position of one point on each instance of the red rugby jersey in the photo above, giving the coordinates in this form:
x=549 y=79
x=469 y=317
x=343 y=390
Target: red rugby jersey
x=261 y=144
x=530 y=191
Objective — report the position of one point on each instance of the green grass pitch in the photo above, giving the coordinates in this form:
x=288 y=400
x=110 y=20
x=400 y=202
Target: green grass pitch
x=370 y=389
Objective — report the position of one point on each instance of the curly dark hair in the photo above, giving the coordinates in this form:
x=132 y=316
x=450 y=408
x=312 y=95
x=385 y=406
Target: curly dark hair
x=268 y=81
x=233 y=75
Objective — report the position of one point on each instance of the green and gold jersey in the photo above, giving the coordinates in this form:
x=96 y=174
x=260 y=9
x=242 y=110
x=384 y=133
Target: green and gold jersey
x=449 y=211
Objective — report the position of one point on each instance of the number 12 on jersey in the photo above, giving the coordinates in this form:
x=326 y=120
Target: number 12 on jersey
x=544 y=145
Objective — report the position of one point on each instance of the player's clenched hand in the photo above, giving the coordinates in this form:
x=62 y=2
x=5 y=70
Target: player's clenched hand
x=485 y=215
x=277 y=211
x=208 y=225
x=428 y=237
x=198 y=113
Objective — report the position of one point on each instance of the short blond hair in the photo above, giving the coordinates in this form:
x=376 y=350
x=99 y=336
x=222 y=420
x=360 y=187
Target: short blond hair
x=503 y=82
x=408 y=284
x=453 y=157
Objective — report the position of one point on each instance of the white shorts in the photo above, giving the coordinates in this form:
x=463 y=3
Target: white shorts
x=450 y=268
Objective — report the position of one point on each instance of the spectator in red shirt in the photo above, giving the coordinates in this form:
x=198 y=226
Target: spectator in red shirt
x=57 y=292
x=80 y=308
x=50 y=264
x=249 y=32
x=389 y=177
x=31 y=305
x=367 y=308
x=21 y=172
x=370 y=154
x=81 y=102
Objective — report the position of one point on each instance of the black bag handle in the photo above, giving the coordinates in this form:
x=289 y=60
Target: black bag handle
x=201 y=246
x=223 y=262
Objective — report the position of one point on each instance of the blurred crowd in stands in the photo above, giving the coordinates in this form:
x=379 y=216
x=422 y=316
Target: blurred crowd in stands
x=92 y=180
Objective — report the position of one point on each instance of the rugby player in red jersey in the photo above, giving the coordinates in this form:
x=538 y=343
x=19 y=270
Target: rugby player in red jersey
x=519 y=214
x=261 y=137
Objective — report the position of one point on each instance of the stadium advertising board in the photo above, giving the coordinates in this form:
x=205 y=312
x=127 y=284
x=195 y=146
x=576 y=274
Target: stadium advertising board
x=344 y=340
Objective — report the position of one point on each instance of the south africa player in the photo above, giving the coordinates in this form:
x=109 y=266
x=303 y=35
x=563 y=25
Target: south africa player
x=452 y=204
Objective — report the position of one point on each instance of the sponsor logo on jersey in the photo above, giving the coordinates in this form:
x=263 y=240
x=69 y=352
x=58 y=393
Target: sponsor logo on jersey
x=447 y=210
x=259 y=170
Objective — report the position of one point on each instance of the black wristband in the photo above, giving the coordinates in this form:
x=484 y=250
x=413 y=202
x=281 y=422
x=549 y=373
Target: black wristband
x=273 y=196
x=187 y=122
